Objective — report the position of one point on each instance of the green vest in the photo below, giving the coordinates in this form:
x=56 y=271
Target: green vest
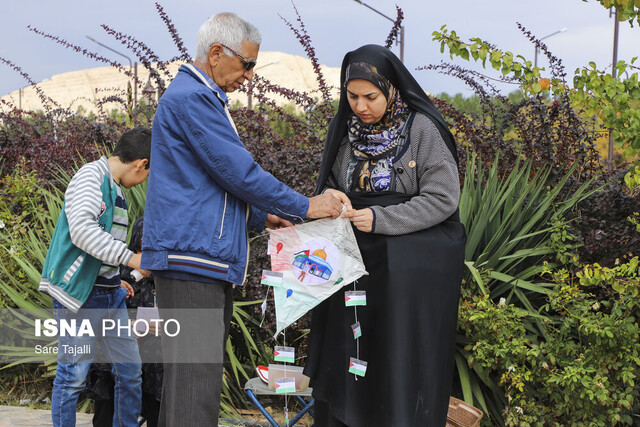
x=69 y=273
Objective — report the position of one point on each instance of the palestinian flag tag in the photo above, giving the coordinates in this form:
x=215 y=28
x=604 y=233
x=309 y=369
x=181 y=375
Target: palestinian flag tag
x=357 y=331
x=284 y=354
x=285 y=385
x=271 y=278
x=354 y=298
x=357 y=367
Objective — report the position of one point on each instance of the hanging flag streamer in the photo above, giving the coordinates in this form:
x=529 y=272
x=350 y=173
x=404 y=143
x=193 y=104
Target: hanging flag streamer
x=316 y=260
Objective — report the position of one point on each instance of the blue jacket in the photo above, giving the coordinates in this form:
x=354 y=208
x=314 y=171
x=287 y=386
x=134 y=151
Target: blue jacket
x=204 y=187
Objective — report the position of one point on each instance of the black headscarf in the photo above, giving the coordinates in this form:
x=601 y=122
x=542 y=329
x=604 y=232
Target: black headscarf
x=412 y=94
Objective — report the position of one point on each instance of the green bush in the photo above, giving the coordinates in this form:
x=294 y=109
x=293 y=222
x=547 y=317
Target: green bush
x=581 y=367
x=20 y=211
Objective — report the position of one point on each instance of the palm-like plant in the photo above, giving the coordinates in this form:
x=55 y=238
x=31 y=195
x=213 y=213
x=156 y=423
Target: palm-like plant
x=509 y=224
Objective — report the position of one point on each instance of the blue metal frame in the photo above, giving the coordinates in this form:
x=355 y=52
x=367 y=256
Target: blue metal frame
x=307 y=408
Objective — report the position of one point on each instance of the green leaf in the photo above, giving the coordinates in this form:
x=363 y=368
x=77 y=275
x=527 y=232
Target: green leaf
x=465 y=380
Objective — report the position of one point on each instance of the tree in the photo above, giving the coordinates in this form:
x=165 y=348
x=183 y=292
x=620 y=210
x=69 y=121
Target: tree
x=595 y=92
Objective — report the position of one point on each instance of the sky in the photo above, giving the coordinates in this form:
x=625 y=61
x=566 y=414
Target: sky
x=335 y=27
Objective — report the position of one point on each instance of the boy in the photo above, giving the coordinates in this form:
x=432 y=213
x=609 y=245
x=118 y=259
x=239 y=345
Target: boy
x=81 y=273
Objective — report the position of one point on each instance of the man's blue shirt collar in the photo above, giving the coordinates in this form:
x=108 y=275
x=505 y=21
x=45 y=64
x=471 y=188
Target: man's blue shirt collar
x=216 y=88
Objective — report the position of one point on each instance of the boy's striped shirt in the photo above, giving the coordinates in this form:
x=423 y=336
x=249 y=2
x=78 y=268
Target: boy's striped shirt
x=83 y=207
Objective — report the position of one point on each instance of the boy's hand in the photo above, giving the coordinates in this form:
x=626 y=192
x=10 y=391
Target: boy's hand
x=134 y=262
x=128 y=287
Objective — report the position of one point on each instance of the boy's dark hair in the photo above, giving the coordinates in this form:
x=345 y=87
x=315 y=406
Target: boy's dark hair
x=133 y=145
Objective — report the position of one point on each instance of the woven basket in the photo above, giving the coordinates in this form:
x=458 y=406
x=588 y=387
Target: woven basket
x=461 y=414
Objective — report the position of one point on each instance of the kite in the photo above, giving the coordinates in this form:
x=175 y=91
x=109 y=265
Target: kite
x=310 y=262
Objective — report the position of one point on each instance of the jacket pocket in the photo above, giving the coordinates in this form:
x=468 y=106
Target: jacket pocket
x=224 y=214
x=228 y=239
x=72 y=270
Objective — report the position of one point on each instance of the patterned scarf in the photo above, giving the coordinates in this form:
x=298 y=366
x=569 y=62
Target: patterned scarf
x=374 y=145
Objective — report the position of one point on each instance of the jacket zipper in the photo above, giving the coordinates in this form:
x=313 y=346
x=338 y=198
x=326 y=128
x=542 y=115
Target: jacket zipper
x=246 y=231
x=224 y=211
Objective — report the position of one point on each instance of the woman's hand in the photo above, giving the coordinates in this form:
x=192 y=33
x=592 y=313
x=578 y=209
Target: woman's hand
x=361 y=218
x=340 y=196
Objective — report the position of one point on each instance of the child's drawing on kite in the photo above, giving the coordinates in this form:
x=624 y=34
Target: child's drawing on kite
x=309 y=263
x=314 y=262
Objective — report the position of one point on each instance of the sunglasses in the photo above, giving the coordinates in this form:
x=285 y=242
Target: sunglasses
x=247 y=63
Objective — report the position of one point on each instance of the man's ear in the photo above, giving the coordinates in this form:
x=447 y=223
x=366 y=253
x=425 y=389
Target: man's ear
x=215 y=52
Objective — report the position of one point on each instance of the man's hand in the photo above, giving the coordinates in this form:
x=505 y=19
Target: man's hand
x=340 y=196
x=134 y=262
x=324 y=205
x=274 y=222
x=153 y=330
x=361 y=218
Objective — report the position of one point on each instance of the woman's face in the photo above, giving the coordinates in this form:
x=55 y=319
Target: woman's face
x=366 y=100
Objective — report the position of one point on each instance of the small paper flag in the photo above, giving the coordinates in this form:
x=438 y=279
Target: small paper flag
x=285 y=385
x=357 y=367
x=357 y=332
x=271 y=278
x=284 y=354
x=353 y=298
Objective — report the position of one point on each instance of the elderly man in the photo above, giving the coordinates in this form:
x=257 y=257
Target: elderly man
x=204 y=191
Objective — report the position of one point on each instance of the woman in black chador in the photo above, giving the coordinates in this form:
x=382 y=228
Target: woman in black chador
x=391 y=151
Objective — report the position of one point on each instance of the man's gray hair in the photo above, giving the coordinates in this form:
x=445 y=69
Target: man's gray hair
x=228 y=29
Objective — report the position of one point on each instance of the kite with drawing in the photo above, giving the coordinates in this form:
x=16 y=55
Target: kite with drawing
x=309 y=263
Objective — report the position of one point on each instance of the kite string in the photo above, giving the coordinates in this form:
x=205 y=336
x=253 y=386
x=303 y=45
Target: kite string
x=264 y=305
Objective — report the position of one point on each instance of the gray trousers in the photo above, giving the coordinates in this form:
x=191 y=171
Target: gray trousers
x=191 y=391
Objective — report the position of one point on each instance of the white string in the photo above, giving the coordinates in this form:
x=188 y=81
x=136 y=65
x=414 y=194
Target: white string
x=284 y=343
x=355 y=312
x=355 y=309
